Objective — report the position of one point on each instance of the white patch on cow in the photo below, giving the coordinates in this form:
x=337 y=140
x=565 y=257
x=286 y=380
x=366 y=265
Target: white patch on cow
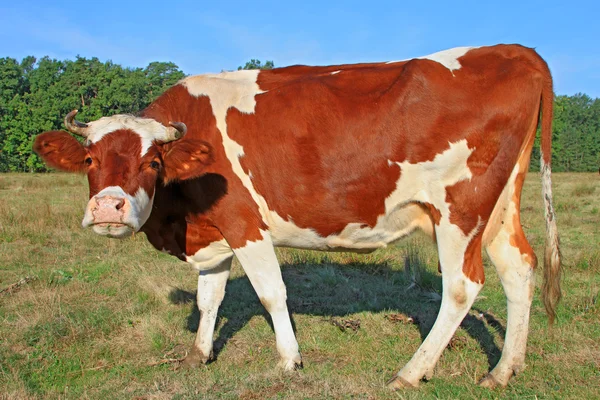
x=148 y=129
x=427 y=181
x=210 y=256
x=137 y=208
x=335 y=72
x=448 y=58
x=423 y=182
x=226 y=90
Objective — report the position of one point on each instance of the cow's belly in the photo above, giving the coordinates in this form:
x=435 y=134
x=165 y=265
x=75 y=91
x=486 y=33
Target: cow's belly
x=355 y=236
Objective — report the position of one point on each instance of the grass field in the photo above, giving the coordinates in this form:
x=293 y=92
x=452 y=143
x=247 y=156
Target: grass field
x=87 y=317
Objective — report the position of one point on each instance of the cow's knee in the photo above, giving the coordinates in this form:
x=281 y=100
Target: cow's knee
x=274 y=298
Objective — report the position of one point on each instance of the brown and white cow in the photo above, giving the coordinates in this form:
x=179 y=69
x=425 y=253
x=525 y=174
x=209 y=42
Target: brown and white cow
x=346 y=157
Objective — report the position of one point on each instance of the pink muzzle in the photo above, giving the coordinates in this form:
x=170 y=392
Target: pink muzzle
x=108 y=210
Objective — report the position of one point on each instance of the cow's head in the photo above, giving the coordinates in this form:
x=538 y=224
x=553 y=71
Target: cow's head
x=124 y=158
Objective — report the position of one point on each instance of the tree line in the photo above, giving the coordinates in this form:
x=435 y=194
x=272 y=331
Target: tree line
x=35 y=95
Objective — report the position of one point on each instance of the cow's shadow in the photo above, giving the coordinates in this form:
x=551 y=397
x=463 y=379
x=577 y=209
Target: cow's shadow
x=334 y=290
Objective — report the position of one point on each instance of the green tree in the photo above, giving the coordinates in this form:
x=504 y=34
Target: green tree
x=35 y=97
x=575 y=135
x=159 y=77
x=257 y=64
x=11 y=86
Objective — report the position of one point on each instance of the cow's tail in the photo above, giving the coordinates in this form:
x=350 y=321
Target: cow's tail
x=551 y=292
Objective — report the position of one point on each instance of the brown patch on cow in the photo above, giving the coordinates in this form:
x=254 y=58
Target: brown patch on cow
x=519 y=240
x=61 y=151
x=185 y=159
x=117 y=161
x=472 y=201
x=499 y=217
x=317 y=180
x=235 y=214
x=473 y=264
x=498 y=133
x=433 y=212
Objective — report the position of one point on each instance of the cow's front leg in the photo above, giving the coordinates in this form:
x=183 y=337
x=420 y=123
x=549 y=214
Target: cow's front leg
x=211 y=290
x=260 y=263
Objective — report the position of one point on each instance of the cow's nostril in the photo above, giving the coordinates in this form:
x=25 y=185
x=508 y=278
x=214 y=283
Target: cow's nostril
x=120 y=204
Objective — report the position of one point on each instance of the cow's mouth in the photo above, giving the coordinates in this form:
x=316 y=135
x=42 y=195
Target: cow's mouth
x=110 y=224
x=117 y=230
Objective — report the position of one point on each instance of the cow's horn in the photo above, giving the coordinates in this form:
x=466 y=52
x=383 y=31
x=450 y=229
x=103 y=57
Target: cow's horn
x=177 y=131
x=74 y=126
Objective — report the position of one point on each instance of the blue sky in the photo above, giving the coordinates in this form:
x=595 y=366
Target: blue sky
x=209 y=37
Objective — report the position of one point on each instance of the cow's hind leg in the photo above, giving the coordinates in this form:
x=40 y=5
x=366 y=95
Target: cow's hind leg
x=515 y=261
x=211 y=290
x=462 y=279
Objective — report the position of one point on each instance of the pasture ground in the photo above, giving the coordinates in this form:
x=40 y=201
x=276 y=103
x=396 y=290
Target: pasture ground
x=87 y=317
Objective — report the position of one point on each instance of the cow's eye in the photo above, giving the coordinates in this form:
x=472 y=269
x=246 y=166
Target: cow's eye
x=88 y=161
x=154 y=164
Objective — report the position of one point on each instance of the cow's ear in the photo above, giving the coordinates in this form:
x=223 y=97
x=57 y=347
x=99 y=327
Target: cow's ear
x=185 y=159
x=60 y=150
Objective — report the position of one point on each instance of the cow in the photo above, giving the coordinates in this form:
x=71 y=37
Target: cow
x=334 y=158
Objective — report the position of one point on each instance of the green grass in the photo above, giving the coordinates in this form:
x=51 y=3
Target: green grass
x=100 y=314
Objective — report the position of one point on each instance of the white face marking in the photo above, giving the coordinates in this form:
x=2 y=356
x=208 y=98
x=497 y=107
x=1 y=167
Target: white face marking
x=137 y=209
x=148 y=129
x=448 y=58
x=335 y=72
x=210 y=256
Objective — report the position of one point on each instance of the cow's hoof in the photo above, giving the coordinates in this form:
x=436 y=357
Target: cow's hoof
x=429 y=374
x=398 y=382
x=490 y=382
x=291 y=365
x=195 y=359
